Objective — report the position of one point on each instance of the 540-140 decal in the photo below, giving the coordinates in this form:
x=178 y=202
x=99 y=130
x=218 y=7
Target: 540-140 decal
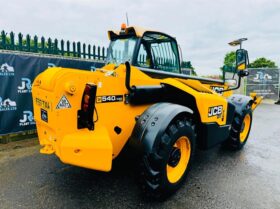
x=109 y=98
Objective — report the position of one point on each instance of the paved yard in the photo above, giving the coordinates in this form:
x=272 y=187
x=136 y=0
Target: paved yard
x=219 y=179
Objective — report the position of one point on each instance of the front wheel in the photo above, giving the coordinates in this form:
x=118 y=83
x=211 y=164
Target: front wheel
x=164 y=170
x=240 y=130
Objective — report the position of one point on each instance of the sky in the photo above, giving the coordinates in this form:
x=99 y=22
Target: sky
x=202 y=27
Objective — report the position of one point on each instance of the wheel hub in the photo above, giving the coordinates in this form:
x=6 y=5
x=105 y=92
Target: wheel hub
x=174 y=157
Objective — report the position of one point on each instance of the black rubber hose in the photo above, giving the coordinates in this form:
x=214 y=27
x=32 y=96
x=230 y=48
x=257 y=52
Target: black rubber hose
x=127 y=77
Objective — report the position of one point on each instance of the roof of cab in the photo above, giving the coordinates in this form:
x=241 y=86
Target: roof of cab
x=136 y=30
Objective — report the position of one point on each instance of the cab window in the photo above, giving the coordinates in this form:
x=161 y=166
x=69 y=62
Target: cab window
x=159 y=52
x=143 y=58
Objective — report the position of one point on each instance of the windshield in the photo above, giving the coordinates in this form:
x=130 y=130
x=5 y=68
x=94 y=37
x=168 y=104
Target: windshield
x=120 y=51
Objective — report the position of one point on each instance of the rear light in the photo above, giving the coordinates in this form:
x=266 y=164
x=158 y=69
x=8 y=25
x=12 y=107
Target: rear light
x=85 y=115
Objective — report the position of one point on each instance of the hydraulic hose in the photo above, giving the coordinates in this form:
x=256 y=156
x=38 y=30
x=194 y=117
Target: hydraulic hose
x=127 y=77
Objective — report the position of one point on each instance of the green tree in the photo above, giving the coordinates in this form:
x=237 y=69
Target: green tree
x=8 y=40
x=263 y=63
x=188 y=65
x=229 y=62
x=229 y=59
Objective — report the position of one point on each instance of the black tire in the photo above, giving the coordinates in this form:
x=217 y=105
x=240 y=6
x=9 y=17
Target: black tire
x=236 y=141
x=153 y=179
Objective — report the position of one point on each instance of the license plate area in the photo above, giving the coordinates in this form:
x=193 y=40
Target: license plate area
x=44 y=115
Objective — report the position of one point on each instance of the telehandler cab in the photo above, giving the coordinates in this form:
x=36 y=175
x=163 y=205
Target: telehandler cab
x=140 y=98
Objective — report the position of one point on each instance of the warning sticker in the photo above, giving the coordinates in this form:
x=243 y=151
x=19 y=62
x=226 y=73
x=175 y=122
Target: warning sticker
x=63 y=103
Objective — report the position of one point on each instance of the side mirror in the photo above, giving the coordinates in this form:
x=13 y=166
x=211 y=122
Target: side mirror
x=230 y=82
x=242 y=60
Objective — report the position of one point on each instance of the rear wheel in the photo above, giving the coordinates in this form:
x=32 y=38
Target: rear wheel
x=240 y=130
x=164 y=170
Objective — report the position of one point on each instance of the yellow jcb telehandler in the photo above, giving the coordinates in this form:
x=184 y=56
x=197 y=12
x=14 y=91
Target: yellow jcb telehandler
x=141 y=98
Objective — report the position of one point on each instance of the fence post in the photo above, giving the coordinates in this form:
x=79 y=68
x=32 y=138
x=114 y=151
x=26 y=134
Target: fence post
x=43 y=44
x=74 y=49
x=68 y=48
x=98 y=53
x=62 y=47
x=89 y=51
x=49 y=45
x=79 y=49
x=94 y=54
x=3 y=40
x=28 y=42
x=12 y=37
x=20 y=41
x=35 y=47
x=84 y=50
x=55 y=46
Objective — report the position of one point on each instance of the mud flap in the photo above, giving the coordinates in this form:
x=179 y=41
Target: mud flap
x=256 y=100
x=153 y=122
x=242 y=102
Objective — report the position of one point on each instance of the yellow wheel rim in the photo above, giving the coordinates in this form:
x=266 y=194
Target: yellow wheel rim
x=175 y=172
x=245 y=128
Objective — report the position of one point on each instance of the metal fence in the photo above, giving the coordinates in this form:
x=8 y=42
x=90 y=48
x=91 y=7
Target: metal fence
x=18 y=42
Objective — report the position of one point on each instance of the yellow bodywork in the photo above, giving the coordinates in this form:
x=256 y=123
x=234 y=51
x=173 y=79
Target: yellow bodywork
x=96 y=149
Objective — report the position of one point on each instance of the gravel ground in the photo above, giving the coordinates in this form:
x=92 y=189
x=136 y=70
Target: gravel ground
x=249 y=178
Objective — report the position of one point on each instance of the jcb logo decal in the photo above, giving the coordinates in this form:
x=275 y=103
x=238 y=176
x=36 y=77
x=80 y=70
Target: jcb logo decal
x=217 y=89
x=215 y=111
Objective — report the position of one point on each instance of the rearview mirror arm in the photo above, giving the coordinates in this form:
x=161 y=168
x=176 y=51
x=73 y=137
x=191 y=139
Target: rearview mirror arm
x=240 y=75
x=234 y=88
